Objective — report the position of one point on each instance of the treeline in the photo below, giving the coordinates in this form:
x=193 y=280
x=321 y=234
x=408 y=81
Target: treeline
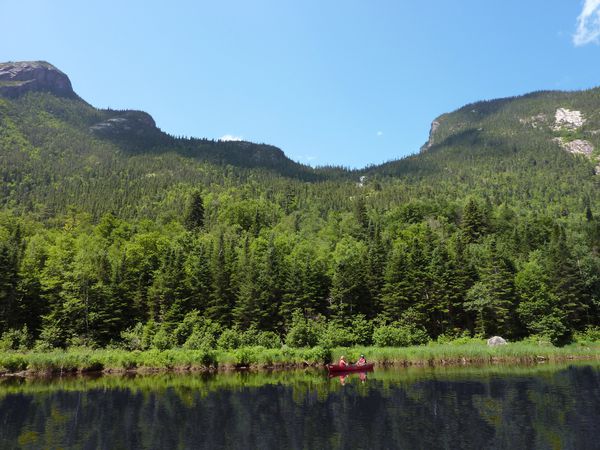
x=103 y=240
x=247 y=270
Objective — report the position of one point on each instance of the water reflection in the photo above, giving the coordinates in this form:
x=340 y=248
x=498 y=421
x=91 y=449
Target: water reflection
x=444 y=408
x=362 y=376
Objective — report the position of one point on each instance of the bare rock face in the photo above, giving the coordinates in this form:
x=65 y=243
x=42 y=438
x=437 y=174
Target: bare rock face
x=577 y=146
x=17 y=78
x=495 y=341
x=567 y=119
x=434 y=127
x=126 y=123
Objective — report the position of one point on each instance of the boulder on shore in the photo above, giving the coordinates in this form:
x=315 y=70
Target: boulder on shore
x=496 y=340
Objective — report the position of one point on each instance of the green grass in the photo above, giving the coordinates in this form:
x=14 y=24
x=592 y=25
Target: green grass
x=110 y=360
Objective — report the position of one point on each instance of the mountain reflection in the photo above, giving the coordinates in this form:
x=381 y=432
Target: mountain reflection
x=460 y=408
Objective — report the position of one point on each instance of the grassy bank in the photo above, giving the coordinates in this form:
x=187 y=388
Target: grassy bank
x=112 y=360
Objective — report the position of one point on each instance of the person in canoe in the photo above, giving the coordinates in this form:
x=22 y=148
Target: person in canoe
x=343 y=362
x=361 y=361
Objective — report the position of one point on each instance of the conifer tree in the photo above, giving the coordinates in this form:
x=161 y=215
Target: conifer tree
x=194 y=215
x=473 y=221
x=223 y=294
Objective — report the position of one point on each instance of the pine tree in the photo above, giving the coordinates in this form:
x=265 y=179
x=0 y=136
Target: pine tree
x=9 y=281
x=473 y=221
x=349 y=291
x=198 y=277
x=360 y=212
x=223 y=294
x=375 y=276
x=194 y=215
x=493 y=298
x=567 y=281
x=397 y=289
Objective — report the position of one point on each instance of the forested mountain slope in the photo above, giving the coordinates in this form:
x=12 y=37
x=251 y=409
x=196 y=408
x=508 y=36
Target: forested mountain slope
x=58 y=151
x=544 y=146
x=113 y=232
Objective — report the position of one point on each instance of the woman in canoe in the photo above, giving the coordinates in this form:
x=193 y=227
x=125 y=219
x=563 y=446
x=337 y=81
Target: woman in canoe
x=362 y=361
x=343 y=362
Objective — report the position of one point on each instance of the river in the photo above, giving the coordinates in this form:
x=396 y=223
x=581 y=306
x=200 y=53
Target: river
x=504 y=407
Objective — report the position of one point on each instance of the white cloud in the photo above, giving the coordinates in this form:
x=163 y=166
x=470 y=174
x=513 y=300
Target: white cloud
x=588 y=24
x=380 y=133
x=229 y=137
x=306 y=158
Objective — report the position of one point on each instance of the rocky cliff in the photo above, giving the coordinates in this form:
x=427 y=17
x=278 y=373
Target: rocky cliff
x=17 y=78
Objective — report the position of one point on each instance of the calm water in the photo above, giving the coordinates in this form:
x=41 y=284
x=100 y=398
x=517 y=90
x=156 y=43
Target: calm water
x=537 y=407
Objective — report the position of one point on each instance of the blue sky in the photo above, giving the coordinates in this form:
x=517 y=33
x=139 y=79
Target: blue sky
x=347 y=82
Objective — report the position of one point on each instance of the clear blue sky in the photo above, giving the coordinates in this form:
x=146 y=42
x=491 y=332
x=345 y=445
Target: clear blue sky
x=347 y=82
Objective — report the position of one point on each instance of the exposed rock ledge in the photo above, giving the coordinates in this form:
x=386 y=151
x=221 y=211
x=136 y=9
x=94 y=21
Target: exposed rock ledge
x=434 y=127
x=565 y=118
x=577 y=147
x=17 y=78
x=137 y=122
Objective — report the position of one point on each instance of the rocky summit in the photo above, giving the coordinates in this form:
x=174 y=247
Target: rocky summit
x=17 y=78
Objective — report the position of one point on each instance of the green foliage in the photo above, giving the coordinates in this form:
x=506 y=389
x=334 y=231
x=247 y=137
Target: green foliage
x=336 y=335
x=15 y=340
x=145 y=241
x=318 y=355
x=13 y=363
x=162 y=340
x=231 y=338
x=398 y=335
x=303 y=332
x=591 y=335
x=194 y=216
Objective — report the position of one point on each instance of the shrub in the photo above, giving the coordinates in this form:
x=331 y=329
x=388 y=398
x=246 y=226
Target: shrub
x=302 y=332
x=51 y=337
x=15 y=340
x=208 y=358
x=162 y=340
x=336 y=335
x=399 y=336
x=230 y=339
x=128 y=361
x=204 y=333
x=456 y=337
x=13 y=363
x=197 y=341
x=538 y=339
x=194 y=323
x=91 y=365
x=253 y=337
x=589 y=336
x=318 y=355
x=133 y=337
x=362 y=328
x=246 y=356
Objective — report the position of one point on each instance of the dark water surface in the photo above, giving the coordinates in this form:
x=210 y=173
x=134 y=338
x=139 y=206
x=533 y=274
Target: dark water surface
x=545 y=407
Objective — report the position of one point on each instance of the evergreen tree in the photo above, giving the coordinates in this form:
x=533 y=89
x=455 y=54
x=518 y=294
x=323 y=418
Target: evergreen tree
x=194 y=215
x=223 y=294
x=567 y=281
x=473 y=221
x=397 y=289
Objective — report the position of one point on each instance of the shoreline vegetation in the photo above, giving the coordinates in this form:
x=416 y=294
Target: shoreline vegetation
x=84 y=360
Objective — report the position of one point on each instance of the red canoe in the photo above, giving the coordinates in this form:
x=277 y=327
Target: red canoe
x=334 y=368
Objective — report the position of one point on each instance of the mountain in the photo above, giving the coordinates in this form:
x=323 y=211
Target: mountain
x=113 y=232
x=554 y=120
x=18 y=78
x=49 y=133
x=60 y=152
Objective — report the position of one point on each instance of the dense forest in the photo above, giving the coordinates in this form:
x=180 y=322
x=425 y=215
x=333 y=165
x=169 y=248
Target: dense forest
x=114 y=235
